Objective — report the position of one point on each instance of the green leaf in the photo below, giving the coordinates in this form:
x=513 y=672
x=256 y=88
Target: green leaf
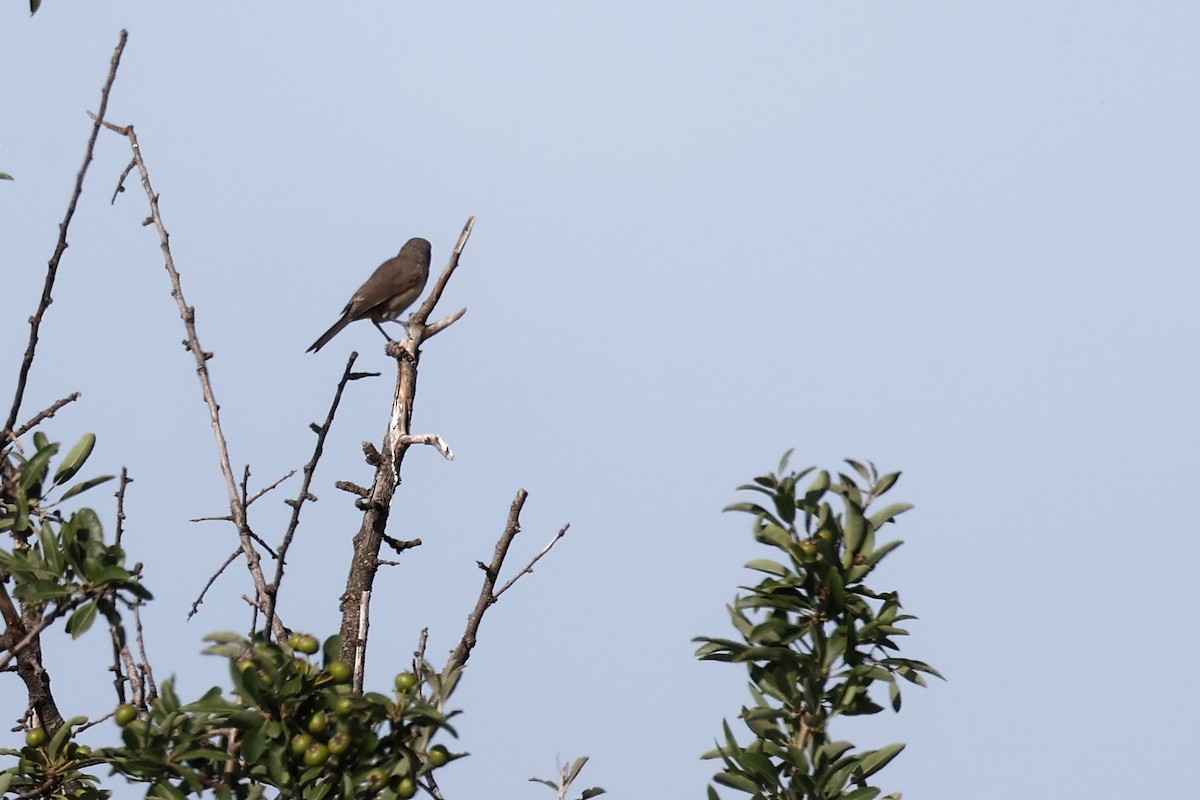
x=885 y=483
x=63 y=735
x=573 y=769
x=51 y=550
x=42 y=591
x=768 y=566
x=818 y=486
x=4 y=176
x=860 y=469
x=165 y=790
x=34 y=5
x=773 y=534
x=875 y=760
x=736 y=781
x=75 y=459
x=82 y=619
x=34 y=470
x=595 y=791
x=79 y=488
x=254 y=743
x=213 y=702
x=888 y=513
x=865 y=793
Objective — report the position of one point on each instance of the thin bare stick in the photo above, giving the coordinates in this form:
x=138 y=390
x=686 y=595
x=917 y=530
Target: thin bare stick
x=148 y=688
x=460 y=654
x=491 y=574
x=528 y=568
x=120 y=495
x=44 y=414
x=365 y=563
x=199 y=601
x=35 y=322
x=270 y=487
x=306 y=484
x=237 y=506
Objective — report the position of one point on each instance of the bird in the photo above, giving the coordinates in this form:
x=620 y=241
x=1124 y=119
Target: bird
x=392 y=288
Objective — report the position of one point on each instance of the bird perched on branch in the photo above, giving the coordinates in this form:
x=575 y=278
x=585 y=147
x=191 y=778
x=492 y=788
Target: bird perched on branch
x=388 y=293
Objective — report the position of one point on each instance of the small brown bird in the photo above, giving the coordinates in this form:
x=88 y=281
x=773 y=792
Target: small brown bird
x=390 y=290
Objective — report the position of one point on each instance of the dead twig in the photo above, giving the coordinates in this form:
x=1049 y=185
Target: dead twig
x=35 y=322
x=306 y=483
x=365 y=562
x=488 y=594
x=237 y=504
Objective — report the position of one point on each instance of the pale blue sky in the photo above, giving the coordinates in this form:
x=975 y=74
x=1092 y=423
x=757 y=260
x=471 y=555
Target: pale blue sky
x=957 y=239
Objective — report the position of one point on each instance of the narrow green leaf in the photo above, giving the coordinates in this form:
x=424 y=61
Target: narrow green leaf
x=865 y=793
x=63 y=735
x=875 y=760
x=34 y=470
x=595 y=791
x=888 y=513
x=736 y=781
x=854 y=529
x=165 y=790
x=573 y=769
x=884 y=483
x=768 y=566
x=859 y=468
x=79 y=488
x=75 y=459
x=51 y=551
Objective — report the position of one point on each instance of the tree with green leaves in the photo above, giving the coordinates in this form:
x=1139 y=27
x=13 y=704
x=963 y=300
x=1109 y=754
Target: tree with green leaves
x=814 y=637
x=299 y=719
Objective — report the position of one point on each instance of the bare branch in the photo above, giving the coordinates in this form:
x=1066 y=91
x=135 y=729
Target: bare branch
x=199 y=601
x=431 y=439
x=491 y=574
x=365 y=562
x=35 y=321
x=44 y=414
x=528 y=568
x=271 y=487
x=120 y=495
x=237 y=504
x=306 y=484
x=149 y=689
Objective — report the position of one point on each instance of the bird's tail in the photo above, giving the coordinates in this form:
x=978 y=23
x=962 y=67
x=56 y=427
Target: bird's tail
x=329 y=334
